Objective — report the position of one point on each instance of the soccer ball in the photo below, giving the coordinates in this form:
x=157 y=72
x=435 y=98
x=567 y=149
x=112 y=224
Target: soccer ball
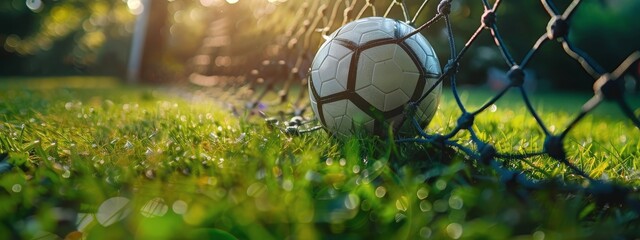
x=366 y=73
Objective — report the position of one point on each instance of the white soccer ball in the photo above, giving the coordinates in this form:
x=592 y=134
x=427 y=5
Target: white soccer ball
x=365 y=74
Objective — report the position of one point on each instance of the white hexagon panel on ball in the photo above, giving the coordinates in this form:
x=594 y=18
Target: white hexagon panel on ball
x=365 y=74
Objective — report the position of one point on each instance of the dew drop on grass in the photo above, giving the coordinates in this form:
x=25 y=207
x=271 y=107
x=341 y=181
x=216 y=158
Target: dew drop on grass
x=261 y=174
x=213 y=136
x=343 y=162
x=66 y=173
x=356 y=169
x=149 y=174
x=128 y=145
x=241 y=138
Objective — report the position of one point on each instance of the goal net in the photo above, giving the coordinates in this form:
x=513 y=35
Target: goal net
x=257 y=54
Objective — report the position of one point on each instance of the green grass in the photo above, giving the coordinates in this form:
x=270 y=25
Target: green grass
x=190 y=169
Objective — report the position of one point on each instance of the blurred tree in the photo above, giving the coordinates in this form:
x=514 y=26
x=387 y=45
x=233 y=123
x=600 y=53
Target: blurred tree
x=63 y=37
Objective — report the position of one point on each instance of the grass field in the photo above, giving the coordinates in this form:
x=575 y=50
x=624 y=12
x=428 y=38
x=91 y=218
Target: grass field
x=88 y=158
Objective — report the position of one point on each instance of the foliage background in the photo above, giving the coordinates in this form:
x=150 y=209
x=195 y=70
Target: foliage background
x=74 y=37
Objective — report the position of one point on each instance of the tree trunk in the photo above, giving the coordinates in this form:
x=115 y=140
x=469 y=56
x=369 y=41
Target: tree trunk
x=151 y=68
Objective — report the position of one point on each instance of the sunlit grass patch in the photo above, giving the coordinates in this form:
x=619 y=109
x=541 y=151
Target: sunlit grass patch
x=116 y=161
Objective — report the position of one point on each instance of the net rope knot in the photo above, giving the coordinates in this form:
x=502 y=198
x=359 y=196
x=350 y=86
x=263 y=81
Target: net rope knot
x=558 y=28
x=554 y=147
x=487 y=153
x=451 y=67
x=516 y=76
x=410 y=110
x=444 y=7
x=611 y=89
x=292 y=131
x=466 y=121
x=488 y=18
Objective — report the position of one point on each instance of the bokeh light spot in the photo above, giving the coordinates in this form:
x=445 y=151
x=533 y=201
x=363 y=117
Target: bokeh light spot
x=352 y=201
x=135 y=7
x=422 y=193
x=454 y=230
x=34 y=5
x=16 y=188
x=113 y=210
x=455 y=202
x=154 y=208
x=380 y=191
x=425 y=232
x=179 y=207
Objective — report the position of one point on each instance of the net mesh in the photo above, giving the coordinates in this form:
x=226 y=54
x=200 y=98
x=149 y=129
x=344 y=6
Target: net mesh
x=280 y=64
